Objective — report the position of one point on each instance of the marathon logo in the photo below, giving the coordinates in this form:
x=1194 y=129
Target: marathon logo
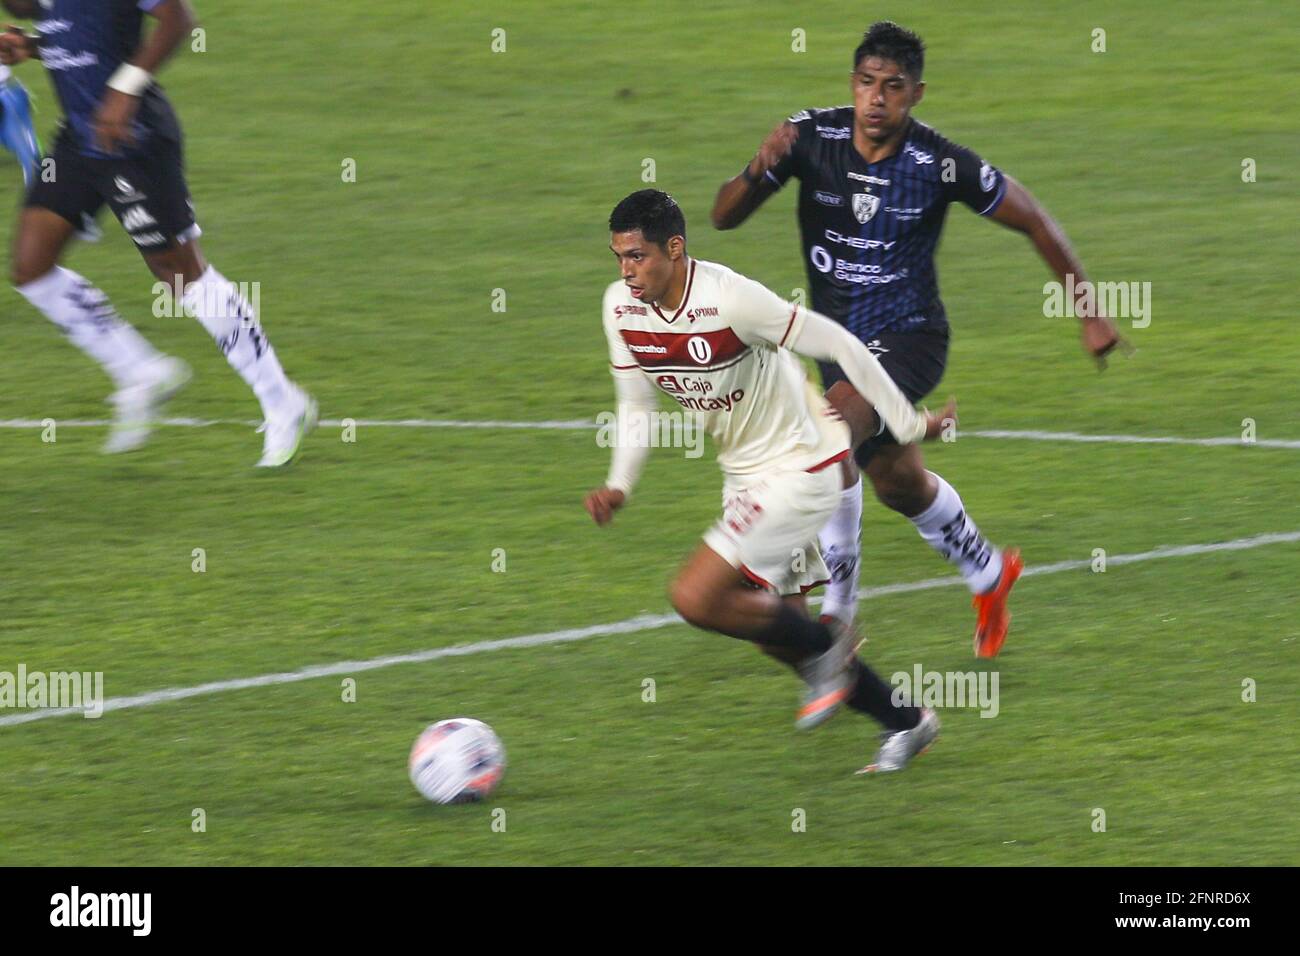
x=834 y=132
x=871 y=180
x=685 y=351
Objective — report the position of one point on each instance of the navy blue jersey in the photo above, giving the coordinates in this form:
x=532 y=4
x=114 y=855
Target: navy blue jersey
x=82 y=42
x=870 y=230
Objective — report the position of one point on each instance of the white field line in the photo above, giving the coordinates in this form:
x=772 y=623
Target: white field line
x=579 y=424
x=645 y=622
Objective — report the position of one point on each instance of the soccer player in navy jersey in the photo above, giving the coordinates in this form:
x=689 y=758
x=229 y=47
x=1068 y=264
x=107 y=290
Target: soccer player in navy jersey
x=120 y=144
x=875 y=186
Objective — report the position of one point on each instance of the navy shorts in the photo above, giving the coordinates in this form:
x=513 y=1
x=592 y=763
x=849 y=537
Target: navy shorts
x=914 y=360
x=147 y=193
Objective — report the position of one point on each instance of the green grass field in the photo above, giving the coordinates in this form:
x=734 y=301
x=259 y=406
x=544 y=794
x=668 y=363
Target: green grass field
x=479 y=171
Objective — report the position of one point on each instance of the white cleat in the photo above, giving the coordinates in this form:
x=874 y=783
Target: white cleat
x=137 y=406
x=286 y=428
x=900 y=746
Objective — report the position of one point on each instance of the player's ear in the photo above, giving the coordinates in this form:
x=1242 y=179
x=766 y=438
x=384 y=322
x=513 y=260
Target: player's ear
x=676 y=247
x=918 y=92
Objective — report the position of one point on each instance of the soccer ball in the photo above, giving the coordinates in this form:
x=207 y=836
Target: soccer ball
x=457 y=761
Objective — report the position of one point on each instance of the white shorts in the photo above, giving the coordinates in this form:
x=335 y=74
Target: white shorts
x=769 y=525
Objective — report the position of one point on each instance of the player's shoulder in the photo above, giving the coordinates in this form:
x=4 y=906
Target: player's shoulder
x=713 y=280
x=616 y=296
x=827 y=122
x=928 y=141
x=708 y=273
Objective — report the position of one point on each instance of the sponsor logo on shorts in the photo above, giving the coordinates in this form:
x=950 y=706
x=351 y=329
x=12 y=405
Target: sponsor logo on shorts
x=125 y=191
x=149 y=238
x=828 y=199
x=137 y=217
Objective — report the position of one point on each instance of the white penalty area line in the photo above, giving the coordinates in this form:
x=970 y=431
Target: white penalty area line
x=582 y=424
x=635 y=625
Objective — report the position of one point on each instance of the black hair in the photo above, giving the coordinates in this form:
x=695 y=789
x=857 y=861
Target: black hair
x=887 y=40
x=652 y=211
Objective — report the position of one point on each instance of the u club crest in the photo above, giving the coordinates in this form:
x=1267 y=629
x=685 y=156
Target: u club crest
x=865 y=206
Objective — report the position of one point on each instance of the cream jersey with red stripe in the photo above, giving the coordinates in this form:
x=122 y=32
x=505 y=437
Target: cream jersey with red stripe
x=720 y=354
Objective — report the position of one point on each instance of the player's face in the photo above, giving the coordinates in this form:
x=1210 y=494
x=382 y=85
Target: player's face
x=646 y=267
x=883 y=97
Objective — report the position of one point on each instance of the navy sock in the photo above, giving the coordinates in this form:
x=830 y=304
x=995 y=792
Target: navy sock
x=792 y=629
x=873 y=696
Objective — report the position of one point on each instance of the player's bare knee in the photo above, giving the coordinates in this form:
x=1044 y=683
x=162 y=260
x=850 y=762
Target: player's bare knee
x=690 y=601
x=177 y=262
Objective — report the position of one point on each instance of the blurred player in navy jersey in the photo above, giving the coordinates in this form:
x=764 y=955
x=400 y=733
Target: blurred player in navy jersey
x=17 y=134
x=120 y=144
x=875 y=189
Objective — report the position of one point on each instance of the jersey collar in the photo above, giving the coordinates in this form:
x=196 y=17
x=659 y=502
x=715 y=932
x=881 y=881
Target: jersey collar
x=686 y=297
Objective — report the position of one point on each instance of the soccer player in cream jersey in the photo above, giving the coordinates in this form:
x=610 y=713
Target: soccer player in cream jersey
x=722 y=346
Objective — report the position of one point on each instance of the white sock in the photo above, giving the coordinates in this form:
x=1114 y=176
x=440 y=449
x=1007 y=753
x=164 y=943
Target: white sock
x=840 y=546
x=222 y=309
x=88 y=320
x=949 y=531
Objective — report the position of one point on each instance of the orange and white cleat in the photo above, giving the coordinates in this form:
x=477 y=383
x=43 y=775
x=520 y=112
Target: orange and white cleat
x=829 y=680
x=994 y=618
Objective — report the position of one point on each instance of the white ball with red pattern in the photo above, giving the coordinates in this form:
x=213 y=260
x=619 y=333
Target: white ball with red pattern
x=459 y=760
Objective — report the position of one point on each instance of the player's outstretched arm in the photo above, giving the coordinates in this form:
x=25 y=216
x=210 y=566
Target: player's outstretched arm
x=17 y=47
x=113 y=119
x=636 y=402
x=1020 y=211
x=745 y=192
x=826 y=341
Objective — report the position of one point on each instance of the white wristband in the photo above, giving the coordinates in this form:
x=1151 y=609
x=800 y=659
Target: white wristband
x=130 y=79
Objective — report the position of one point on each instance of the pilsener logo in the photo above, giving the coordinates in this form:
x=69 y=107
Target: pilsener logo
x=103 y=909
